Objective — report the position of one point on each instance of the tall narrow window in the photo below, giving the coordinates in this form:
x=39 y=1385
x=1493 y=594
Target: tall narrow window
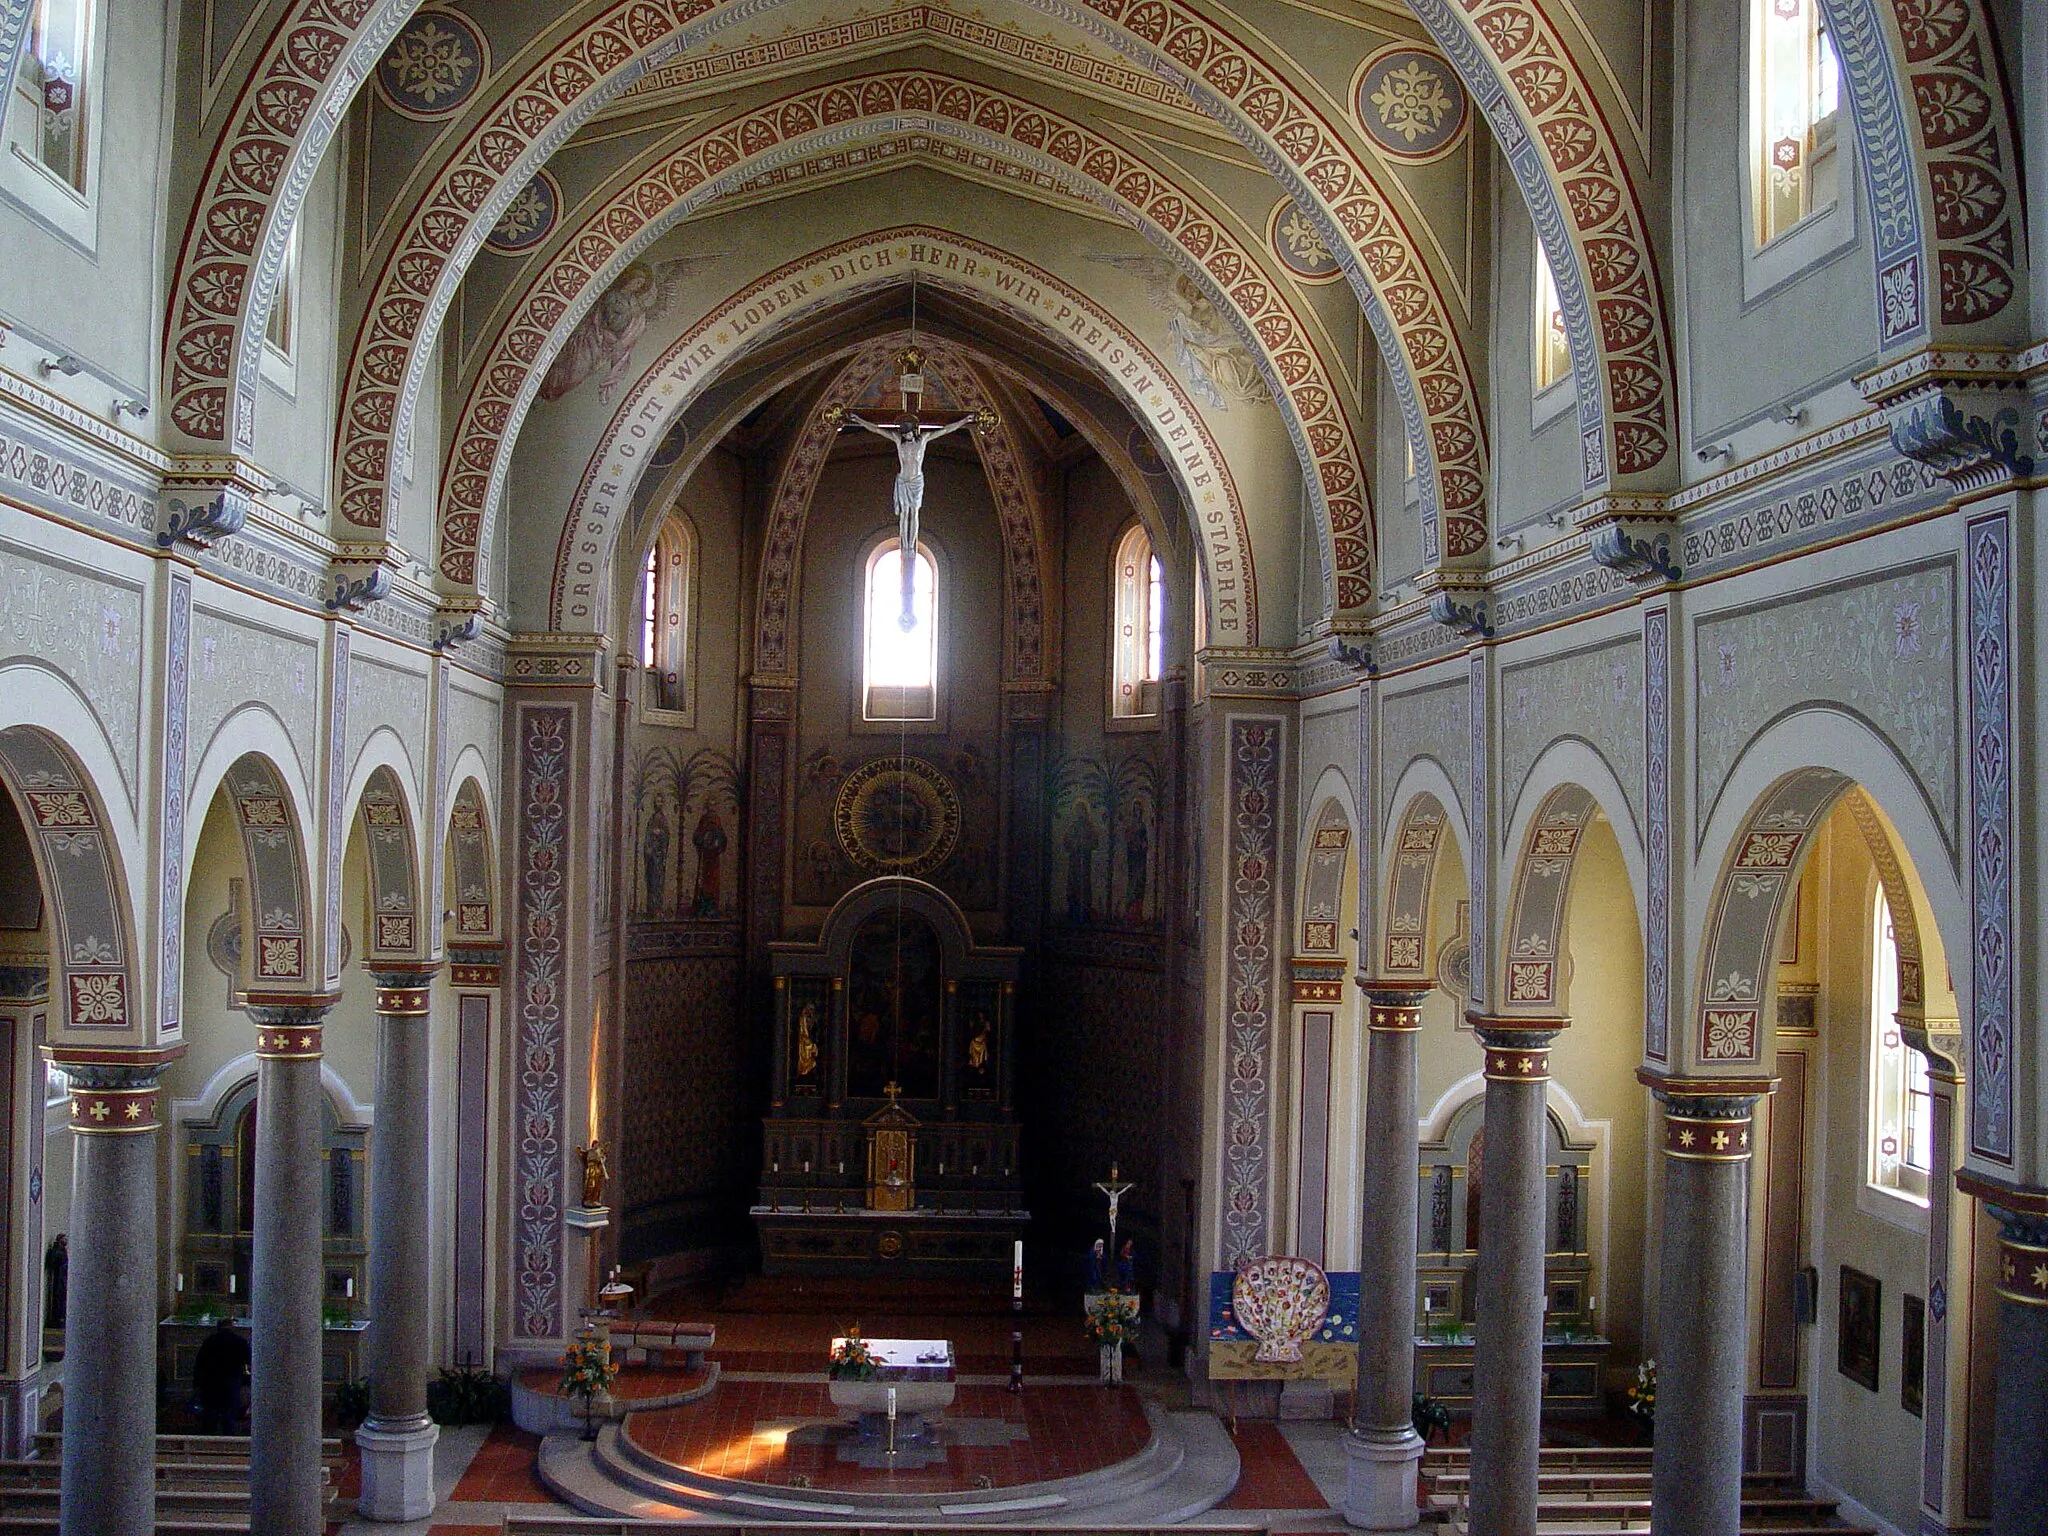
x=1901 y=1108
x=1795 y=95
x=1138 y=620
x=1553 y=352
x=278 y=329
x=665 y=617
x=900 y=646
x=51 y=90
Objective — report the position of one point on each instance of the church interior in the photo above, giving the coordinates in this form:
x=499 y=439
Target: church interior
x=1251 y=763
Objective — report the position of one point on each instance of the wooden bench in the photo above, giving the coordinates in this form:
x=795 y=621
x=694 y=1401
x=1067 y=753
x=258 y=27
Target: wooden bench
x=195 y=1448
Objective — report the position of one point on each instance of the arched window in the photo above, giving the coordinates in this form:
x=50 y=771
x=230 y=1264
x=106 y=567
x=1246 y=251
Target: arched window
x=1795 y=93
x=52 y=91
x=1901 y=1109
x=665 y=617
x=1552 y=352
x=1138 y=637
x=900 y=636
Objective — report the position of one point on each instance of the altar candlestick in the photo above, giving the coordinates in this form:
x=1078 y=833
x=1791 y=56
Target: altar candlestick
x=1017 y=1271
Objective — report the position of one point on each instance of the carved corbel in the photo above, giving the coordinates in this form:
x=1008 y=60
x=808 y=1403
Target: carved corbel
x=1634 y=535
x=1354 y=652
x=1459 y=601
x=457 y=623
x=359 y=575
x=204 y=501
x=1964 y=414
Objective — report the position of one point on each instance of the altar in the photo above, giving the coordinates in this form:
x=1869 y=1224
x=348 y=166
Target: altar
x=891 y=1139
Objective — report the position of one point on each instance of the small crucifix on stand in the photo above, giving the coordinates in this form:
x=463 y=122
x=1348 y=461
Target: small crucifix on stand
x=912 y=431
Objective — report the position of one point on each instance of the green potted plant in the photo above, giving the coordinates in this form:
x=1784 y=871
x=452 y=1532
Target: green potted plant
x=1112 y=1322
x=1431 y=1418
x=588 y=1373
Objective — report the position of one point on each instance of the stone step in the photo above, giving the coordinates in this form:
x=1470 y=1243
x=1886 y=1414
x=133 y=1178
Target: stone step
x=196 y=1447
x=49 y=1525
x=194 y=1476
x=1616 y=1480
x=1550 y=1457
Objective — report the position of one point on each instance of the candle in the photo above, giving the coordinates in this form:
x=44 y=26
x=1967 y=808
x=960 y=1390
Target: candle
x=348 y=1287
x=892 y=1402
x=807 y=1165
x=231 y=1285
x=778 y=1165
x=181 y=1282
x=1017 y=1271
x=1428 y=1302
x=842 y=1165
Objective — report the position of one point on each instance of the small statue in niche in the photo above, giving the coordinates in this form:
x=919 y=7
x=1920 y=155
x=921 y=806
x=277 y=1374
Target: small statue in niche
x=807 y=1040
x=56 y=1279
x=1127 y=1267
x=654 y=861
x=709 y=839
x=977 y=1043
x=1082 y=840
x=596 y=1169
x=1098 y=1265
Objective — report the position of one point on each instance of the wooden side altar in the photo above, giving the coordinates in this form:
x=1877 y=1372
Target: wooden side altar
x=891 y=1140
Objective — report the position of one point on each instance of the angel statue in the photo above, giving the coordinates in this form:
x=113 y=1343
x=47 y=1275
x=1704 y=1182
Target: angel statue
x=604 y=337
x=596 y=1169
x=911 y=436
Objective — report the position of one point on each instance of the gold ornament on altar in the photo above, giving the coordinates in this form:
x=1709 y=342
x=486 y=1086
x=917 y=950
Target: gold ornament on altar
x=596 y=1169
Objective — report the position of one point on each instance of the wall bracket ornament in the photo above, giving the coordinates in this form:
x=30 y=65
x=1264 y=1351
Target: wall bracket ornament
x=360 y=576
x=1354 y=652
x=1463 y=606
x=456 y=624
x=207 y=500
x=1970 y=432
x=1633 y=535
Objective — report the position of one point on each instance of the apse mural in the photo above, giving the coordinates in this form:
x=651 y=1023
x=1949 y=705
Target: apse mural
x=685 y=816
x=1105 y=824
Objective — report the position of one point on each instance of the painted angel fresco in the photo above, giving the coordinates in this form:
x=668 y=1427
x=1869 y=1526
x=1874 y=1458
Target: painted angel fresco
x=1206 y=351
x=603 y=339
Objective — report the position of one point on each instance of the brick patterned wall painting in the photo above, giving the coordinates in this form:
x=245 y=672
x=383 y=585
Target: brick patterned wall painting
x=688 y=1129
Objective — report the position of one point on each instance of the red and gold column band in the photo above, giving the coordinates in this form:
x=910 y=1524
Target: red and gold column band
x=1317 y=989
x=404 y=1002
x=1721 y=1139
x=1393 y=1019
x=2023 y=1272
x=1393 y=1008
x=465 y=973
x=114 y=1111
x=1518 y=1063
x=288 y=1042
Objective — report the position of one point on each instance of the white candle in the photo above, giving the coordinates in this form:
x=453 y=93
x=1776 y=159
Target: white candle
x=892 y=1402
x=842 y=1165
x=348 y=1287
x=1017 y=1271
x=807 y=1165
x=181 y=1282
x=231 y=1285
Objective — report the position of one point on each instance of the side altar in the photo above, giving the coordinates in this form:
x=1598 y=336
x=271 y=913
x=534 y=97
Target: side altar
x=891 y=1139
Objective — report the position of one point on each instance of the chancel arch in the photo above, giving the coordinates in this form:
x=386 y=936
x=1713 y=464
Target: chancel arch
x=1172 y=216
x=946 y=261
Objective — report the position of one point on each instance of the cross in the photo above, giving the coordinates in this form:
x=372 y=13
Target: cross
x=1114 y=1189
x=894 y=1091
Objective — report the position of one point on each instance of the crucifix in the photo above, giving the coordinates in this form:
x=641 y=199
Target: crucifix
x=1114 y=1189
x=912 y=431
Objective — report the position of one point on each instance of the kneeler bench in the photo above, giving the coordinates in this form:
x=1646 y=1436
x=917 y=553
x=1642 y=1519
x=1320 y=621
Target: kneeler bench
x=649 y=1341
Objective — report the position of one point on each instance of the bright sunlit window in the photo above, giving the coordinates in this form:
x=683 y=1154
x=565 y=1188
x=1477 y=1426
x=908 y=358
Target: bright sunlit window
x=665 y=617
x=1138 y=640
x=1901 y=1106
x=901 y=665
x=1553 y=352
x=1795 y=96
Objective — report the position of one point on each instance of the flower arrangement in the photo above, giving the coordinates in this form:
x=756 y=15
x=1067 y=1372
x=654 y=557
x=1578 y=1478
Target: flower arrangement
x=1112 y=1322
x=852 y=1360
x=588 y=1373
x=1642 y=1392
x=1430 y=1417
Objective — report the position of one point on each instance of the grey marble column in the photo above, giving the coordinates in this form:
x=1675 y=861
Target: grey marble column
x=2019 y=1444
x=109 y=1471
x=1507 y=1364
x=1703 y=1314
x=1382 y=1450
x=397 y=1440
x=285 y=1282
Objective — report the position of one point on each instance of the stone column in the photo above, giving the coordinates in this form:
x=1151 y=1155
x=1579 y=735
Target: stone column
x=109 y=1471
x=1382 y=1450
x=2019 y=1444
x=285 y=1277
x=1507 y=1366
x=1703 y=1317
x=397 y=1439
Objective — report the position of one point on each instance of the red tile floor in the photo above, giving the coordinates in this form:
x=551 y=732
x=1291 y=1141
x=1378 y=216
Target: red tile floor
x=771 y=1432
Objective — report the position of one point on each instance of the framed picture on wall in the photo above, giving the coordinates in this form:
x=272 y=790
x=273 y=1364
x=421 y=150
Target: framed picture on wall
x=1856 y=1340
x=1913 y=1355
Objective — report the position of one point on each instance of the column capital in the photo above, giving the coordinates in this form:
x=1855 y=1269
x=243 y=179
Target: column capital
x=114 y=1097
x=403 y=986
x=476 y=965
x=1517 y=1047
x=1393 y=1006
x=2022 y=1217
x=288 y=1024
x=1708 y=1120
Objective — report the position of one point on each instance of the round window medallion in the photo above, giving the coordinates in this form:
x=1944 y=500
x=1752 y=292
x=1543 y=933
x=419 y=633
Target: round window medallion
x=897 y=816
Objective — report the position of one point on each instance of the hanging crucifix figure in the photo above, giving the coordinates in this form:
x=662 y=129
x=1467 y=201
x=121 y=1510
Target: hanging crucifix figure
x=912 y=432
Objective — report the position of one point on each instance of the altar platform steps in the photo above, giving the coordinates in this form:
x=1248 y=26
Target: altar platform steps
x=1186 y=1467
x=584 y=1525
x=538 y=1405
x=1605 y=1491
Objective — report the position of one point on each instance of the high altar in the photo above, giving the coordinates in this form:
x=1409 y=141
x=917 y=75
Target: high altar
x=891 y=1140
